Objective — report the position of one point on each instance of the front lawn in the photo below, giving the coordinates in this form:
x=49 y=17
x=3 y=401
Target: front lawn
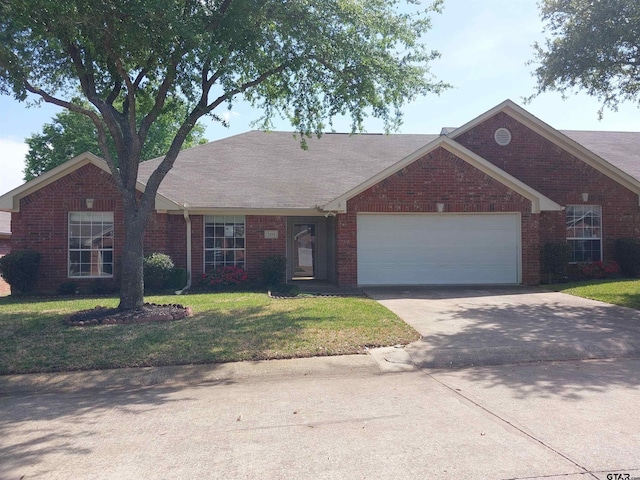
x=224 y=328
x=618 y=292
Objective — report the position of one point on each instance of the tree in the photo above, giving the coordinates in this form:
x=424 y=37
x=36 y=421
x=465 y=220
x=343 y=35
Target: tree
x=307 y=61
x=593 y=45
x=71 y=133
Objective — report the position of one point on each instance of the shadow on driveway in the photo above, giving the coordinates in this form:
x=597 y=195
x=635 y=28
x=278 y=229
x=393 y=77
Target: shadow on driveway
x=463 y=327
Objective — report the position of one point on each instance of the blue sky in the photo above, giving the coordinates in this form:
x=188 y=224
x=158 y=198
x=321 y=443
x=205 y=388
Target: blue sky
x=485 y=45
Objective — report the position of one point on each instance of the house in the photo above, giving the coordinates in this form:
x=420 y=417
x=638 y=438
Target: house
x=5 y=239
x=471 y=205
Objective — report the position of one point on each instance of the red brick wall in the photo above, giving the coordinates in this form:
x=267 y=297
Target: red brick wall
x=558 y=175
x=5 y=248
x=42 y=225
x=257 y=247
x=438 y=177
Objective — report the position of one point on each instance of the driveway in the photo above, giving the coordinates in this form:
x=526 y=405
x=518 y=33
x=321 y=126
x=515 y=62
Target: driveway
x=464 y=327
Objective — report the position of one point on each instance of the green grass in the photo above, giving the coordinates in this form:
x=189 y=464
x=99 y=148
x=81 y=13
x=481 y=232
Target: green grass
x=618 y=292
x=224 y=328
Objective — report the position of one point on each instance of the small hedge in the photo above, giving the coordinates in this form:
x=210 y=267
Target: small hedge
x=555 y=259
x=158 y=269
x=274 y=270
x=20 y=270
x=628 y=256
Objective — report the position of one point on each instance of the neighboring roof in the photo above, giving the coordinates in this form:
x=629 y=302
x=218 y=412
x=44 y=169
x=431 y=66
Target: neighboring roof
x=5 y=224
x=621 y=149
x=269 y=170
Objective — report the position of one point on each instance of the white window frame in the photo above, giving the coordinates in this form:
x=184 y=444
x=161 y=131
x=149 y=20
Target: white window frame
x=98 y=226
x=584 y=233
x=231 y=239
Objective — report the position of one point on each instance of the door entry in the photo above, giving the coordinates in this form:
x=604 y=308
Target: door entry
x=304 y=250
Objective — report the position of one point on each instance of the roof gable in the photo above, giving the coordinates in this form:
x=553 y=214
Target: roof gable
x=558 y=138
x=10 y=201
x=539 y=202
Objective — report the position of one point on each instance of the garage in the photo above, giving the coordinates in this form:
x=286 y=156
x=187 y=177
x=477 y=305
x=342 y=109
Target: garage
x=438 y=249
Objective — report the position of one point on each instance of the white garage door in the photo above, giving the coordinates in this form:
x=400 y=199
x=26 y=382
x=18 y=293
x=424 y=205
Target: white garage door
x=438 y=249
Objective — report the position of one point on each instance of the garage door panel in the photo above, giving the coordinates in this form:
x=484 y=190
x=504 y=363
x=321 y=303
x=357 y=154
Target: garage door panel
x=438 y=249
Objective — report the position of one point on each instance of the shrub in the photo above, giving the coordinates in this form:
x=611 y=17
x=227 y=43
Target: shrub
x=628 y=256
x=228 y=277
x=68 y=288
x=178 y=278
x=158 y=268
x=600 y=269
x=555 y=259
x=20 y=269
x=274 y=270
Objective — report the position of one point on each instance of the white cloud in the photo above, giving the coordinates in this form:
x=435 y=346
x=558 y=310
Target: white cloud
x=12 y=155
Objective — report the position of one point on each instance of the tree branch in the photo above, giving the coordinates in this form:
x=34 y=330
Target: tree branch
x=102 y=134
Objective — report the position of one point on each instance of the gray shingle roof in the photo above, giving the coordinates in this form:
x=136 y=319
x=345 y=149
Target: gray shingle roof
x=621 y=149
x=258 y=170
x=270 y=170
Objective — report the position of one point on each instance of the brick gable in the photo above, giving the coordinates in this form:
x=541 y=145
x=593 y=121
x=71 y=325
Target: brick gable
x=42 y=223
x=438 y=177
x=559 y=175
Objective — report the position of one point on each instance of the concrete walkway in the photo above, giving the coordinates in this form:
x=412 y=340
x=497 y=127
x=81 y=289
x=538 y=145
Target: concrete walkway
x=324 y=418
x=464 y=327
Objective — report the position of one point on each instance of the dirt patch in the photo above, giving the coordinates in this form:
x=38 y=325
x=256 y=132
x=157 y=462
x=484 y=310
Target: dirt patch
x=150 y=312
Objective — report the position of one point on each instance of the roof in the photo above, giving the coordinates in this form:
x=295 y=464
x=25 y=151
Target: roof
x=258 y=170
x=269 y=171
x=622 y=149
x=5 y=223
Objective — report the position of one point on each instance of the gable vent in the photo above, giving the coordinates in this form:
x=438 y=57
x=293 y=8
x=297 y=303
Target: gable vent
x=502 y=137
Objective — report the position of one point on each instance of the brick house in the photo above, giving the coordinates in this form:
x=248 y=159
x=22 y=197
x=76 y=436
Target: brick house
x=5 y=247
x=472 y=205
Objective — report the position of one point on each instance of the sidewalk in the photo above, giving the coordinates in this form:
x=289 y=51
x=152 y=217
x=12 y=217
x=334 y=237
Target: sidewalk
x=324 y=418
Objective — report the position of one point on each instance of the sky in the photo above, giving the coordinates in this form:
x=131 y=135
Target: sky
x=485 y=46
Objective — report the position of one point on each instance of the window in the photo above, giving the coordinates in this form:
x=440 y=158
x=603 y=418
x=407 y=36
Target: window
x=223 y=241
x=90 y=244
x=584 y=232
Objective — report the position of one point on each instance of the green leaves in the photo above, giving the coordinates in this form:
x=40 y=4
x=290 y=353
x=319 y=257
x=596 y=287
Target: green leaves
x=592 y=45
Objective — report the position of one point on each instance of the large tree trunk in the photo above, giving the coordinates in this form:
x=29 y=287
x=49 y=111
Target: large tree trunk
x=131 y=275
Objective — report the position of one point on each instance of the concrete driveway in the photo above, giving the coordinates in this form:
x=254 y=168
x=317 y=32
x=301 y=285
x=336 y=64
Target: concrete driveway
x=464 y=327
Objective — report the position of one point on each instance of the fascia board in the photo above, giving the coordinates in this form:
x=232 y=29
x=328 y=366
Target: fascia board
x=10 y=201
x=574 y=148
x=554 y=136
x=290 y=212
x=539 y=202
x=339 y=204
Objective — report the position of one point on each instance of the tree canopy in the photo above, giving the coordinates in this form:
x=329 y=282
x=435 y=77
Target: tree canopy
x=592 y=46
x=70 y=134
x=306 y=61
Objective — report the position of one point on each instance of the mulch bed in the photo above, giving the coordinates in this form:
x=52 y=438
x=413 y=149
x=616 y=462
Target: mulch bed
x=150 y=312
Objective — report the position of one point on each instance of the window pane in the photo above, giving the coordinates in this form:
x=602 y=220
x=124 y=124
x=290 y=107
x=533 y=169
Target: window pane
x=90 y=244
x=224 y=240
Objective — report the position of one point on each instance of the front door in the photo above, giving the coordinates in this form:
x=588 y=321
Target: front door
x=304 y=250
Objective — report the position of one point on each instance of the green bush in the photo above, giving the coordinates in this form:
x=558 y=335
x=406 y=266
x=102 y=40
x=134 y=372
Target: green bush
x=68 y=288
x=555 y=259
x=178 y=278
x=274 y=270
x=157 y=268
x=20 y=269
x=628 y=256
